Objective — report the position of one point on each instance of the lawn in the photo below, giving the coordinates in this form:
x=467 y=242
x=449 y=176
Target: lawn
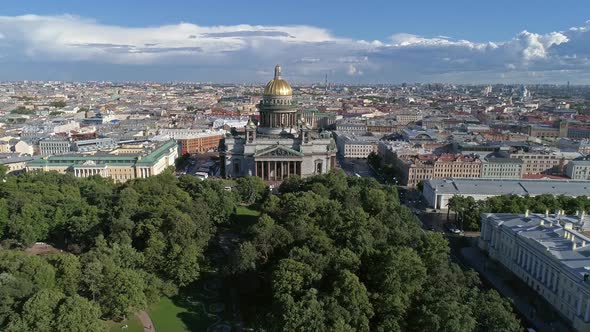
x=245 y=217
x=134 y=325
x=180 y=314
x=244 y=211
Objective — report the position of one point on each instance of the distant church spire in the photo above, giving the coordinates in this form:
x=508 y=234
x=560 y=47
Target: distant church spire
x=277 y=71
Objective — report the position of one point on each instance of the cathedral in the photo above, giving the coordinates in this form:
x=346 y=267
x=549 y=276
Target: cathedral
x=282 y=144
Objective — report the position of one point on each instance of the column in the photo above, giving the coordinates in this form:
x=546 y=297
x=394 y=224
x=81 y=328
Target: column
x=579 y=305
x=283 y=170
x=275 y=168
x=587 y=314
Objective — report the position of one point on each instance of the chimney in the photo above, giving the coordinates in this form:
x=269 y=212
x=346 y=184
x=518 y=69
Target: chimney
x=526 y=213
x=557 y=213
x=574 y=245
x=582 y=215
x=546 y=213
x=583 y=243
x=542 y=222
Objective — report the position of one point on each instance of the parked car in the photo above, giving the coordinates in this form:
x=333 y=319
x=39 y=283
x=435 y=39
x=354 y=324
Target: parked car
x=452 y=229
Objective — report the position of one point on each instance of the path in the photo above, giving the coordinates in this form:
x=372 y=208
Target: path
x=146 y=321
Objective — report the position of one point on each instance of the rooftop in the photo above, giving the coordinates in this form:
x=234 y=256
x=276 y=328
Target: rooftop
x=509 y=187
x=555 y=233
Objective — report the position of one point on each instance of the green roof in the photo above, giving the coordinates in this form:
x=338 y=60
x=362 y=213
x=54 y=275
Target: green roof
x=124 y=160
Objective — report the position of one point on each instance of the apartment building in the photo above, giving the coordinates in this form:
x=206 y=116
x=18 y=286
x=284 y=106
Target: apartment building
x=406 y=118
x=51 y=147
x=544 y=162
x=200 y=143
x=423 y=167
x=578 y=170
x=355 y=146
x=501 y=168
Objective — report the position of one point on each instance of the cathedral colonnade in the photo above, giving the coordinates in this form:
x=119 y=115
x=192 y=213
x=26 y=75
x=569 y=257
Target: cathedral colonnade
x=277 y=170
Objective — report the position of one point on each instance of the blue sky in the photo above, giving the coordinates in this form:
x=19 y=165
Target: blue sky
x=353 y=41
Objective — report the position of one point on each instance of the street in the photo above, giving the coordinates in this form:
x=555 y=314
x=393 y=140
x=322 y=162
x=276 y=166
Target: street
x=352 y=167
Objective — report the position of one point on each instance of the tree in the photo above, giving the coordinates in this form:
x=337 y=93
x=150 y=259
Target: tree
x=352 y=296
x=123 y=293
x=306 y=315
x=68 y=272
x=374 y=160
x=39 y=311
x=494 y=313
x=250 y=189
x=76 y=314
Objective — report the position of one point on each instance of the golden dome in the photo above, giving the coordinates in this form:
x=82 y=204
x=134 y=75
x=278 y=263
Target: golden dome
x=278 y=86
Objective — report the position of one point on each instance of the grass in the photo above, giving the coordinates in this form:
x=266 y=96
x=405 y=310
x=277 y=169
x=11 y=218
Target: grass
x=179 y=314
x=244 y=211
x=134 y=325
x=244 y=217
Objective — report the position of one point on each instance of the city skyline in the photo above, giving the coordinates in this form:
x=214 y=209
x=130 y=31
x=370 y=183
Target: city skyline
x=75 y=42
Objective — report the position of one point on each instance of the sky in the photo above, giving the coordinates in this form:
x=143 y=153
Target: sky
x=458 y=41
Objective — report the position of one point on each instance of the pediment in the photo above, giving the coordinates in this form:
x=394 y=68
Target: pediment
x=278 y=151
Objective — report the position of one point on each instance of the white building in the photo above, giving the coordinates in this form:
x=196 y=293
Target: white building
x=24 y=148
x=501 y=168
x=53 y=146
x=438 y=192
x=355 y=146
x=550 y=253
x=578 y=170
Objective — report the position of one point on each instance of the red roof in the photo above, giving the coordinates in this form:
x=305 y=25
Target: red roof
x=543 y=177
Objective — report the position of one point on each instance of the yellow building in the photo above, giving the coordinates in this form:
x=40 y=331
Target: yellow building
x=120 y=166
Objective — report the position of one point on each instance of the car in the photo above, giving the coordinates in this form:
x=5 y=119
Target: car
x=452 y=229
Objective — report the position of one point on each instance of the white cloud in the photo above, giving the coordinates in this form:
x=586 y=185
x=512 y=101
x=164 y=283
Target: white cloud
x=306 y=53
x=353 y=70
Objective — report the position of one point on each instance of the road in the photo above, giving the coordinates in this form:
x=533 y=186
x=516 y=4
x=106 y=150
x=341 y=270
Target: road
x=355 y=166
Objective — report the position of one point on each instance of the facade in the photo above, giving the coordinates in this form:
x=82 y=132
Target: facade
x=550 y=253
x=437 y=192
x=120 y=166
x=545 y=162
x=282 y=145
x=416 y=169
x=24 y=148
x=351 y=127
x=406 y=118
x=4 y=147
x=14 y=164
x=578 y=131
x=578 y=170
x=353 y=146
x=50 y=147
x=200 y=143
x=539 y=131
x=501 y=168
